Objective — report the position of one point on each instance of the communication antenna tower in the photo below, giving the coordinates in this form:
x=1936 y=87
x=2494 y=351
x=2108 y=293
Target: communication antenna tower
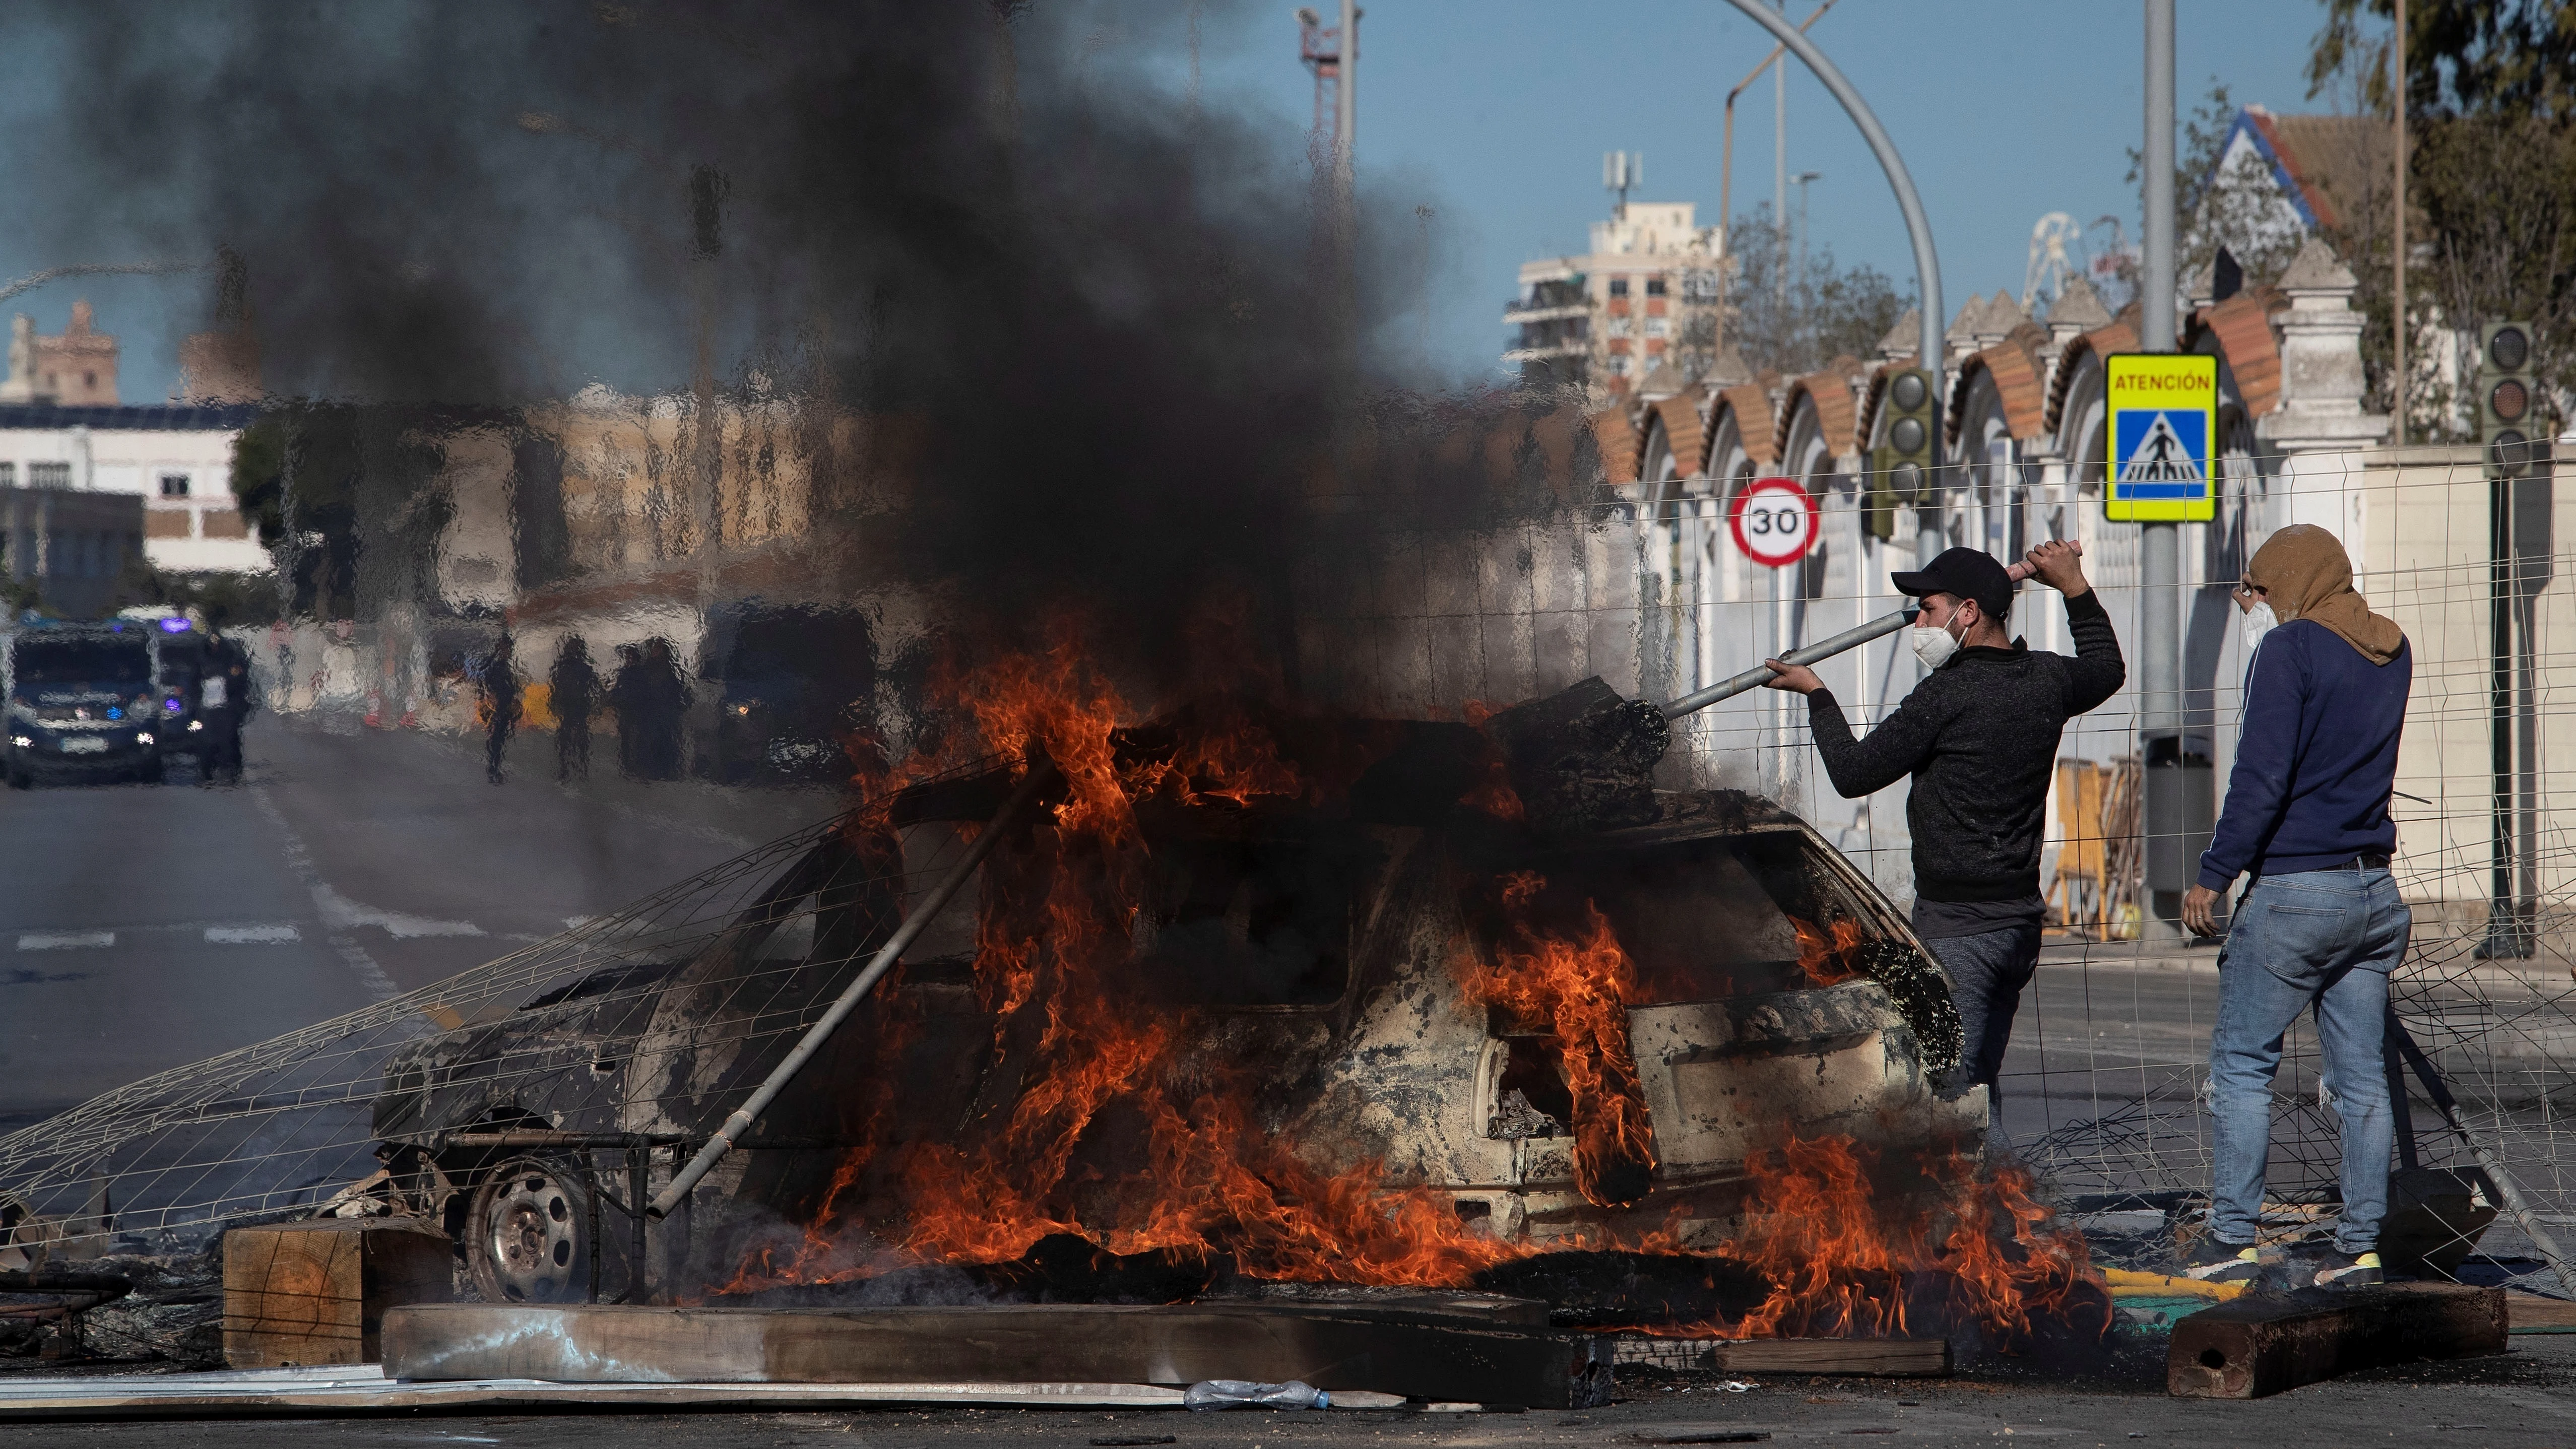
x=1320 y=47
x=1621 y=173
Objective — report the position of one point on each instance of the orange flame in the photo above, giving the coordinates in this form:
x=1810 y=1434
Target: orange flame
x=1827 y=959
x=1579 y=989
x=1841 y=1266
x=1077 y=1052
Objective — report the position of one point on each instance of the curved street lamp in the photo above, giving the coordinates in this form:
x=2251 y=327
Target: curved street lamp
x=1927 y=265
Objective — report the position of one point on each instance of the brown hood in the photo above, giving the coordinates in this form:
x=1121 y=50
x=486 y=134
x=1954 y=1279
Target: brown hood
x=2305 y=575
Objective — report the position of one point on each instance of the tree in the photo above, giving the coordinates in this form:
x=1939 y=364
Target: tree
x=2491 y=195
x=2222 y=203
x=2497 y=58
x=1790 y=319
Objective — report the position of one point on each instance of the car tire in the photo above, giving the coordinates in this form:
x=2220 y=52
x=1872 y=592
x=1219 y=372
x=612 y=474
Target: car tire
x=527 y=1233
x=19 y=779
x=150 y=773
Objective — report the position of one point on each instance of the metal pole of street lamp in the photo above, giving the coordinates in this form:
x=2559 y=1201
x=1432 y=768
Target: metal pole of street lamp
x=1726 y=172
x=1918 y=227
x=1780 y=175
x=2159 y=544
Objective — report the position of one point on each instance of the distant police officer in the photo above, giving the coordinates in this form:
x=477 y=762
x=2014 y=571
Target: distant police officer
x=1979 y=735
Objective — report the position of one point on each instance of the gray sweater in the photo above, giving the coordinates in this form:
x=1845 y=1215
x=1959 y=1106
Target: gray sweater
x=1980 y=738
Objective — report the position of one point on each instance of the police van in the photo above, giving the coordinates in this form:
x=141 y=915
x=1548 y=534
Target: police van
x=83 y=702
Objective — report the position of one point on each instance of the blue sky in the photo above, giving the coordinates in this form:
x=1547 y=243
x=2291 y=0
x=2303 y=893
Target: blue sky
x=1493 y=115
x=1496 y=112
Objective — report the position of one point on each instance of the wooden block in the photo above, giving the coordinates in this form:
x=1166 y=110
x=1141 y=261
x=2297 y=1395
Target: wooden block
x=2532 y=1313
x=301 y=1294
x=1858 y=1357
x=2264 y=1343
x=1332 y=1346
x=1902 y=1358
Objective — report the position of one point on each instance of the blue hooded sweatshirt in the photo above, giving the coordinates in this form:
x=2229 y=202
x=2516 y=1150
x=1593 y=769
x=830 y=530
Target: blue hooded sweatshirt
x=2315 y=759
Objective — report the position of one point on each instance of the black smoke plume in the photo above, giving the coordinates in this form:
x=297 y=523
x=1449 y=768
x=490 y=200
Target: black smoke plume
x=1106 y=309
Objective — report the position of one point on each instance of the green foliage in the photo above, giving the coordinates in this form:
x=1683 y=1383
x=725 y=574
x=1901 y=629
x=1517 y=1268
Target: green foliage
x=1793 y=320
x=2491 y=183
x=259 y=477
x=222 y=599
x=2500 y=59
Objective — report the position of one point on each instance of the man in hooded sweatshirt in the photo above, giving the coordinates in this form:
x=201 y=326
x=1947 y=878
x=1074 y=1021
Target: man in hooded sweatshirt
x=1979 y=735
x=2320 y=924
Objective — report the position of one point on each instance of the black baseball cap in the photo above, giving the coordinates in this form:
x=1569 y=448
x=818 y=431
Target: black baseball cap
x=1967 y=573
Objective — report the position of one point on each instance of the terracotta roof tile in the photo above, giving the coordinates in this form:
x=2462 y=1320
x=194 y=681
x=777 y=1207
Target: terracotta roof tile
x=1751 y=404
x=2243 y=326
x=2120 y=336
x=1682 y=434
x=1617 y=442
x=1836 y=408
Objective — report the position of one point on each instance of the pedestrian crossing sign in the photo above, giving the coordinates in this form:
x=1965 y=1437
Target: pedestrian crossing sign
x=2163 y=408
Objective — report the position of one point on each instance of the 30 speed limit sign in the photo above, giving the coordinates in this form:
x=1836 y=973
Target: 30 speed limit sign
x=1774 y=521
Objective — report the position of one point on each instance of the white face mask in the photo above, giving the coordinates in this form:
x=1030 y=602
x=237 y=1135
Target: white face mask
x=1933 y=645
x=2258 y=621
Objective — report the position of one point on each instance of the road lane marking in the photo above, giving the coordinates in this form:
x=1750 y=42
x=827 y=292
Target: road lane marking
x=299 y=863
x=64 y=940
x=343 y=914
x=252 y=935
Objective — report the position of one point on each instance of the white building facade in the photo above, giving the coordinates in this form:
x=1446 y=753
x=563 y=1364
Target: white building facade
x=178 y=459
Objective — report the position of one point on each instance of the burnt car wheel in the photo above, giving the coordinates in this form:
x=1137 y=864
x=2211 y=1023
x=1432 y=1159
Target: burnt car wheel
x=527 y=1233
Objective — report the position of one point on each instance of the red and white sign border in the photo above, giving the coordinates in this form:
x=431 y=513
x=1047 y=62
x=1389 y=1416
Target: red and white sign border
x=1745 y=494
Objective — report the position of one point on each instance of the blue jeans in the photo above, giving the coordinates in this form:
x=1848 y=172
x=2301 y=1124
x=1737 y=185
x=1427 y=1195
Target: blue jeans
x=1987 y=972
x=2325 y=939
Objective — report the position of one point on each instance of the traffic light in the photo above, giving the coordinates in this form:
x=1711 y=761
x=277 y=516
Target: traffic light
x=1900 y=468
x=2506 y=396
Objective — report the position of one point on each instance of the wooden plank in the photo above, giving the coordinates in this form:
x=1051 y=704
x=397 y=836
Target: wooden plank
x=317 y=1292
x=341 y=1390
x=1338 y=1346
x=2261 y=1344
x=2532 y=1313
x=1854 y=1357
x=1903 y=1358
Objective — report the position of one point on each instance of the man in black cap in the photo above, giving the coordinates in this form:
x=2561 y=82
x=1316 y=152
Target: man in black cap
x=1979 y=736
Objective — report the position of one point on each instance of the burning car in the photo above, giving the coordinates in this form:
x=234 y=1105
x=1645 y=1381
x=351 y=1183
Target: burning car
x=1317 y=996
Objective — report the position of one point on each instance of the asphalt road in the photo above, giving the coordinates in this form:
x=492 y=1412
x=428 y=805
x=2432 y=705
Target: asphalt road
x=146 y=926
x=2520 y=1400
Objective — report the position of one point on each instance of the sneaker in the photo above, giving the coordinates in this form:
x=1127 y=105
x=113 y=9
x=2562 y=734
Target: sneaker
x=2348 y=1270
x=2212 y=1261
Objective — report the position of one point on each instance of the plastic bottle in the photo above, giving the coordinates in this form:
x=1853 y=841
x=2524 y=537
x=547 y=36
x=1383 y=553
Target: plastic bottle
x=1245 y=1394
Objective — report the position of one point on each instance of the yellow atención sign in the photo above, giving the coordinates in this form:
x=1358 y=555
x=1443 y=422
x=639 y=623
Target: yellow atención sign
x=2163 y=412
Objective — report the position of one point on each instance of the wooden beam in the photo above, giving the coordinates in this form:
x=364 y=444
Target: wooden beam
x=2261 y=1344
x=1903 y=1358
x=300 y=1294
x=2533 y=1313
x=1332 y=1346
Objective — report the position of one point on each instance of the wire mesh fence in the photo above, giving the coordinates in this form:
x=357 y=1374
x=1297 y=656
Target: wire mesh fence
x=634 y=1032
x=2103 y=1091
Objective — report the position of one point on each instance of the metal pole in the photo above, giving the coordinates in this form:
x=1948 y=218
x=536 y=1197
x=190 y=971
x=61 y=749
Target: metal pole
x=2505 y=1186
x=1918 y=227
x=1346 y=98
x=2397 y=318
x=2159 y=544
x=1780 y=176
x=815 y=1036
x=1823 y=649
x=1754 y=678
x=1726 y=168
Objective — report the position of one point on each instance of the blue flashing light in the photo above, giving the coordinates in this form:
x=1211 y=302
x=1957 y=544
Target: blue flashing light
x=172 y=705
x=114 y=713
x=174 y=626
